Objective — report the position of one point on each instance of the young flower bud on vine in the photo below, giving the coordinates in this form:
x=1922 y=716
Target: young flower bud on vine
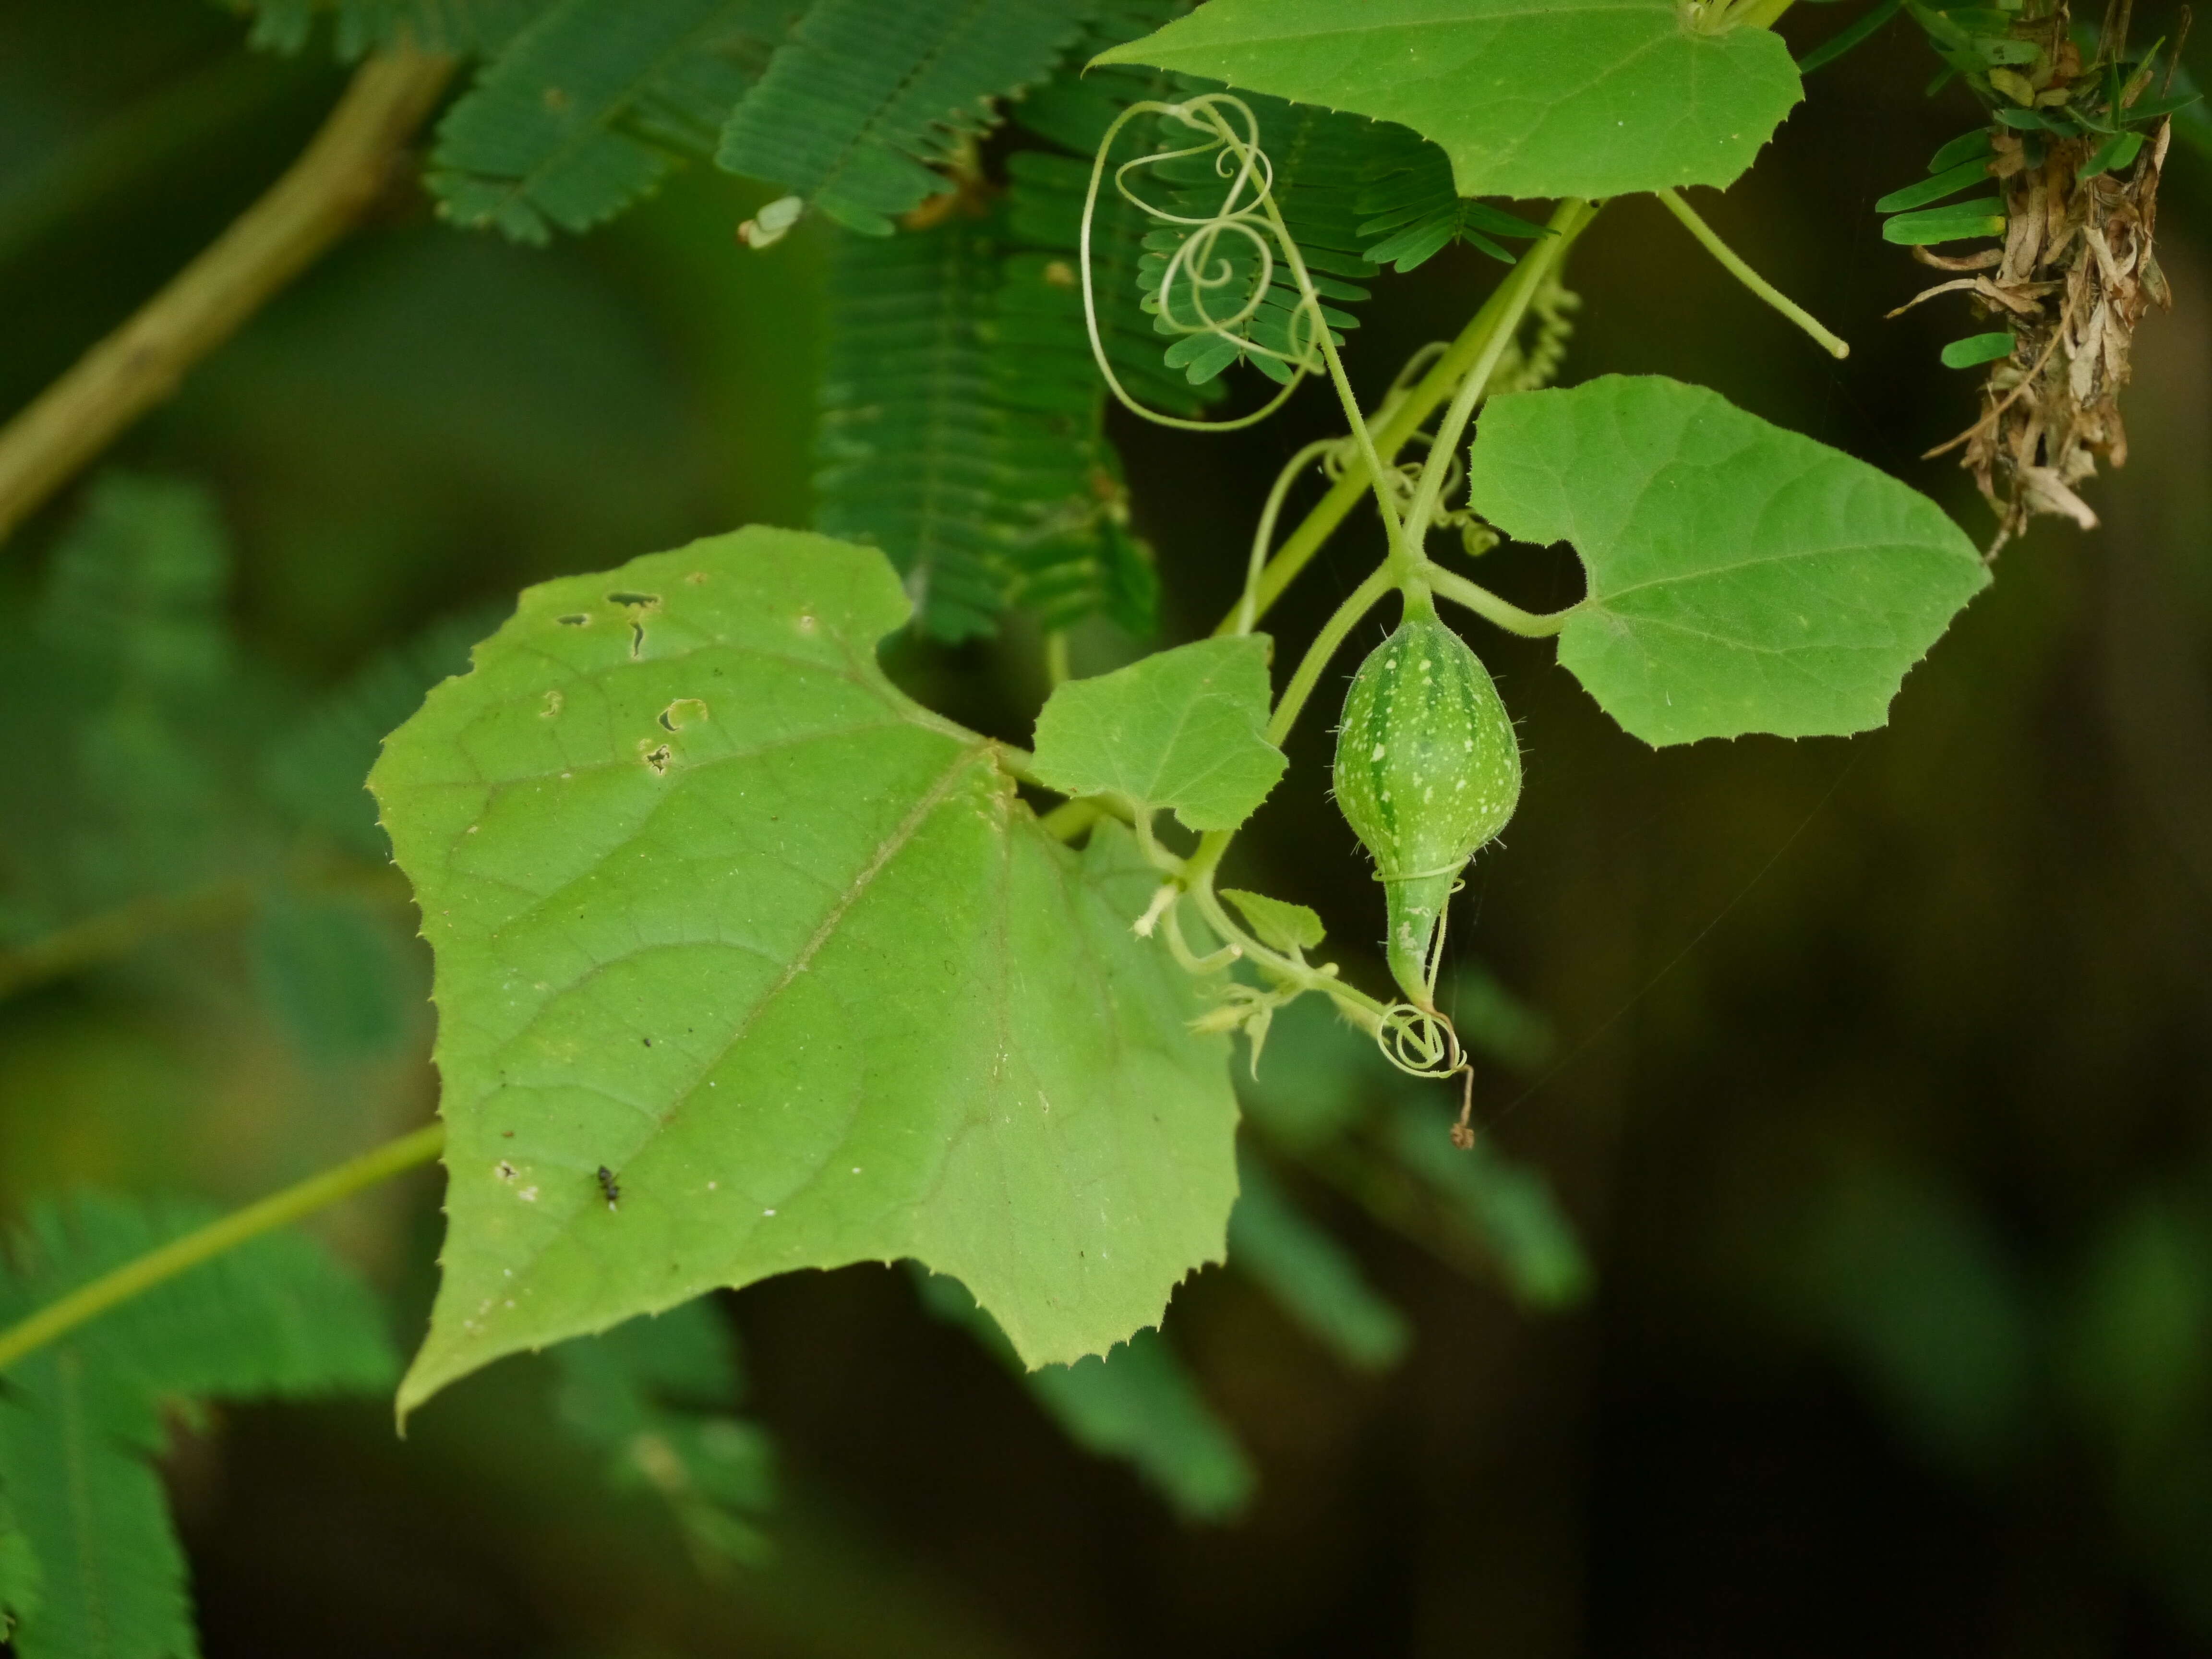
x=1428 y=770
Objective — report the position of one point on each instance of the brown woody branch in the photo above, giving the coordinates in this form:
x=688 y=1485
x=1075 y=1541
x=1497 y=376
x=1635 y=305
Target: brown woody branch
x=343 y=169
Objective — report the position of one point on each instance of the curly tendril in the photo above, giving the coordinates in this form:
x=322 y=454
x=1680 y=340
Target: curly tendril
x=1199 y=265
x=1418 y=1042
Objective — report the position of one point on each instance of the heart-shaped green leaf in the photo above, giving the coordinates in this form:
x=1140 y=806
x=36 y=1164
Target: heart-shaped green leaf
x=1185 y=729
x=1529 y=97
x=1741 y=578
x=720 y=912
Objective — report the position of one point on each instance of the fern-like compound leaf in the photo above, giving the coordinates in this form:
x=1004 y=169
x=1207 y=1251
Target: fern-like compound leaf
x=593 y=105
x=1138 y=1404
x=92 y=1525
x=130 y=670
x=1043 y=300
x=464 y=27
x=867 y=98
x=315 y=770
x=961 y=433
x=1312 y=1278
x=911 y=439
x=88 y=1563
x=655 y=1396
x=1406 y=200
x=1318 y=158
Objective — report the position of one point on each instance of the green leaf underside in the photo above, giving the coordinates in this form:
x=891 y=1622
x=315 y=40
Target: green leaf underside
x=715 y=907
x=1277 y=922
x=1183 y=729
x=1741 y=578
x=863 y=99
x=1529 y=99
x=592 y=106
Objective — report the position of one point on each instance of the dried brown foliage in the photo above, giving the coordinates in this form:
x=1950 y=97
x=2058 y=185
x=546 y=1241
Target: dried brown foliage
x=2073 y=280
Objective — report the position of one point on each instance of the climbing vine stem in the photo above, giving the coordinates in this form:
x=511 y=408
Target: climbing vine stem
x=1397 y=426
x=1516 y=294
x=88 y=1302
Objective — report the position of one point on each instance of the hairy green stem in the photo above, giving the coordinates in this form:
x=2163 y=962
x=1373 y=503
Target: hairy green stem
x=1198 y=875
x=1356 y=603
x=1733 y=264
x=88 y=1302
x=1353 y=414
x=1515 y=294
x=1529 y=625
x=1248 y=608
x=1071 y=817
x=1396 y=430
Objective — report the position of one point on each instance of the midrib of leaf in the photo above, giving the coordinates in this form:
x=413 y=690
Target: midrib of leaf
x=520 y=189
x=1603 y=601
x=886 y=850
x=71 y=1424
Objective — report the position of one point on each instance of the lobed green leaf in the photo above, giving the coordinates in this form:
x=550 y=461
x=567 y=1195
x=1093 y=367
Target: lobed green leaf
x=1183 y=729
x=1741 y=578
x=1529 y=97
x=715 y=907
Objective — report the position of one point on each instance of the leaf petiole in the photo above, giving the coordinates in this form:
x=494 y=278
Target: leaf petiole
x=1398 y=423
x=1733 y=264
x=1529 y=625
x=1356 y=603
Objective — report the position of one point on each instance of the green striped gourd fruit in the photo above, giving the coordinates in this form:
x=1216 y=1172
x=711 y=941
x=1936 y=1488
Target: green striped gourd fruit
x=1428 y=769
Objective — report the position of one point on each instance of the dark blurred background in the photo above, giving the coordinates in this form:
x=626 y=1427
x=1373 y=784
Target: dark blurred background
x=1881 y=1084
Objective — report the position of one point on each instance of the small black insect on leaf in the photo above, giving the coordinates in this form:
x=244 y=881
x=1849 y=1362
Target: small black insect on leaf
x=609 y=1186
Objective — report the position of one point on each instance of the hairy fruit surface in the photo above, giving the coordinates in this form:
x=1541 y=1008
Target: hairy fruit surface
x=1428 y=770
